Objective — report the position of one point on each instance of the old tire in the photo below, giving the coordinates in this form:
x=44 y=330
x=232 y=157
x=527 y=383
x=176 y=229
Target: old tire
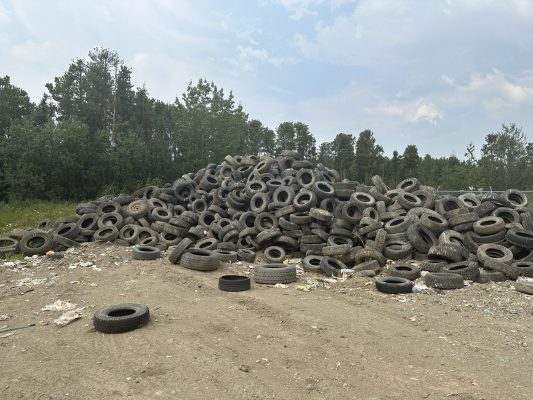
x=233 y=283
x=441 y=280
x=200 y=260
x=393 y=285
x=275 y=273
x=146 y=253
x=35 y=242
x=121 y=318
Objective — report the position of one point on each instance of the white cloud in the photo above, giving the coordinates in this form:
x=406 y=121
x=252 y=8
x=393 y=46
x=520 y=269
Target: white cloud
x=412 y=111
x=492 y=90
x=4 y=15
x=302 y=8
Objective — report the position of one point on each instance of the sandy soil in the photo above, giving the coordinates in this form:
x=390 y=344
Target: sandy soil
x=339 y=341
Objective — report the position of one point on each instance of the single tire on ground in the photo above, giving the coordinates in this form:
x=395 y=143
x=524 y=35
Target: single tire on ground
x=393 y=285
x=275 y=273
x=121 y=318
x=234 y=283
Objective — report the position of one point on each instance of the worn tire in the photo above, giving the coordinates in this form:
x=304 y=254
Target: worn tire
x=441 y=280
x=176 y=254
x=35 y=242
x=121 y=318
x=393 y=285
x=469 y=270
x=234 y=283
x=403 y=270
x=246 y=255
x=274 y=255
x=200 y=260
x=275 y=273
x=311 y=263
x=146 y=253
x=331 y=266
x=8 y=246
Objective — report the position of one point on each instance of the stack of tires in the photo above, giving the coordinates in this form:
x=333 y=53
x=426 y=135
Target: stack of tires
x=249 y=206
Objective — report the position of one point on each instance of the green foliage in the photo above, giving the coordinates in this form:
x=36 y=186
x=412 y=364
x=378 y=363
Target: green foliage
x=505 y=157
x=367 y=156
x=93 y=133
x=27 y=214
x=342 y=150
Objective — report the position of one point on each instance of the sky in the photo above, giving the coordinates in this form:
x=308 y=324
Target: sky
x=436 y=73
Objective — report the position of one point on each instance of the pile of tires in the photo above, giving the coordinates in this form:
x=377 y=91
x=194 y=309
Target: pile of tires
x=251 y=206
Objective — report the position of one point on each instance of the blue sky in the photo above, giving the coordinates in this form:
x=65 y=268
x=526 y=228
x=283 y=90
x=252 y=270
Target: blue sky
x=437 y=74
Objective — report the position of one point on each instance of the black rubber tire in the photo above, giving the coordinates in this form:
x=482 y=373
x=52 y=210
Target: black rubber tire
x=525 y=268
x=246 y=255
x=321 y=215
x=275 y=273
x=63 y=241
x=393 y=285
x=226 y=256
x=396 y=250
x=200 y=260
x=488 y=225
x=366 y=254
x=121 y=318
x=176 y=254
x=520 y=238
x=336 y=250
x=8 y=246
x=207 y=244
x=435 y=223
x=404 y=270
x=35 y=243
x=110 y=219
x=234 y=283
x=469 y=270
x=432 y=265
x=146 y=253
x=421 y=238
x=448 y=252
x=398 y=224
x=493 y=252
x=441 y=280
x=69 y=230
x=129 y=233
x=137 y=209
x=490 y=275
x=274 y=255
x=331 y=266
x=88 y=224
x=311 y=263
x=107 y=234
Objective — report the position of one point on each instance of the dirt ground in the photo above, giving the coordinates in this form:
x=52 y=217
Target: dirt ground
x=337 y=341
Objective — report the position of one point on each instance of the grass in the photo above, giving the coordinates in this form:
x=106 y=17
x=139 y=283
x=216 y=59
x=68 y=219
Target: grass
x=27 y=214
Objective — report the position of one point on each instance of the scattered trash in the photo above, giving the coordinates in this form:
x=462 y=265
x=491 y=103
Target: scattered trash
x=281 y=286
x=59 y=305
x=420 y=288
x=68 y=317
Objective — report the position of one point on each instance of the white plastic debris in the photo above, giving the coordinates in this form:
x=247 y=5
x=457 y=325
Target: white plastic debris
x=420 y=288
x=281 y=286
x=68 y=317
x=31 y=282
x=59 y=305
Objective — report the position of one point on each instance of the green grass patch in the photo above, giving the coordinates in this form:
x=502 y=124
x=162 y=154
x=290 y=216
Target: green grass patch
x=27 y=214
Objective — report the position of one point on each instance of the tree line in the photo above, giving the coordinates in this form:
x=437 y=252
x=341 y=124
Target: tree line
x=94 y=133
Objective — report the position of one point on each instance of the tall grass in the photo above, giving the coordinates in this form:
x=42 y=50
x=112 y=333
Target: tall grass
x=27 y=214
